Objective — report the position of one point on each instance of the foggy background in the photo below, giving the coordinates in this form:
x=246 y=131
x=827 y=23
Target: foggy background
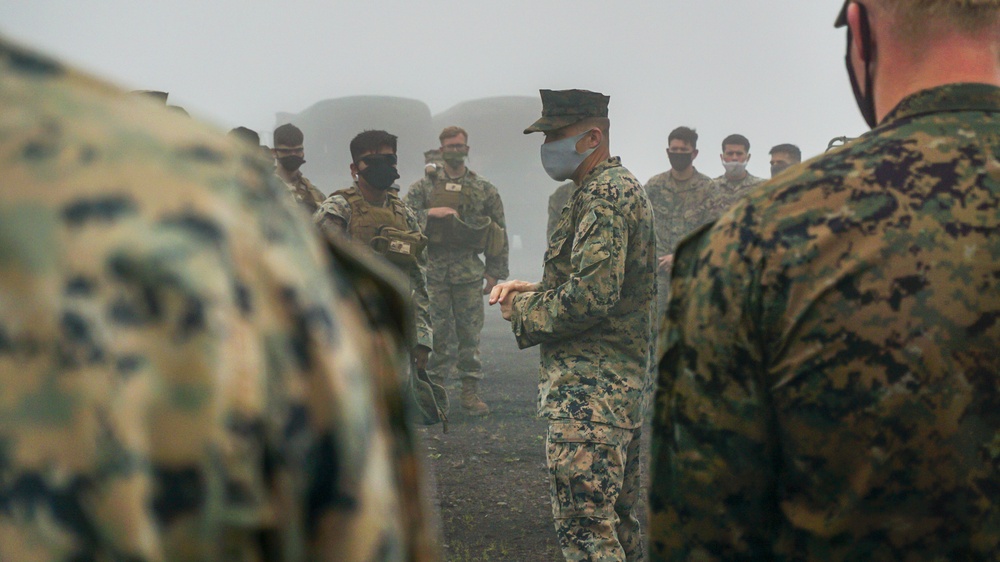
x=772 y=70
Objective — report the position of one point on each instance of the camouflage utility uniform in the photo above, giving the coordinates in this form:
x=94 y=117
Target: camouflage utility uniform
x=334 y=218
x=679 y=207
x=557 y=202
x=455 y=274
x=307 y=195
x=828 y=388
x=725 y=192
x=593 y=319
x=183 y=379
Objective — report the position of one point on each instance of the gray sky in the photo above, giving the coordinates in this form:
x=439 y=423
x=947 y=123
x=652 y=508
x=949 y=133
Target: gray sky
x=771 y=69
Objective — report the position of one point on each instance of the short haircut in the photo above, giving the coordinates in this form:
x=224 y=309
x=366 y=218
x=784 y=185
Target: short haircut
x=371 y=141
x=736 y=139
x=288 y=135
x=452 y=131
x=685 y=134
x=789 y=149
x=915 y=19
x=245 y=134
x=602 y=123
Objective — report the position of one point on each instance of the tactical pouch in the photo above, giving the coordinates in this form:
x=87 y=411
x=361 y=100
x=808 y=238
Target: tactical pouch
x=496 y=238
x=453 y=232
x=400 y=247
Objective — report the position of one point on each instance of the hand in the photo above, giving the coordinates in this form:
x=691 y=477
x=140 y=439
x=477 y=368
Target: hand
x=502 y=290
x=490 y=283
x=666 y=262
x=441 y=212
x=420 y=355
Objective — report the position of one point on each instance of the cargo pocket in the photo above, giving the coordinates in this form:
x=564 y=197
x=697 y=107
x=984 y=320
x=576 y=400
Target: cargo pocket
x=586 y=468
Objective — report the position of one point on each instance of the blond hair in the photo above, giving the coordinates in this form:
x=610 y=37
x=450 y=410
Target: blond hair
x=452 y=131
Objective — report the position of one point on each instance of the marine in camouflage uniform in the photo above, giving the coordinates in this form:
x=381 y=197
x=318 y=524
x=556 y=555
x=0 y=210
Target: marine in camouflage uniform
x=289 y=155
x=334 y=217
x=679 y=205
x=828 y=386
x=377 y=220
x=183 y=377
x=592 y=315
x=737 y=181
x=557 y=202
x=455 y=272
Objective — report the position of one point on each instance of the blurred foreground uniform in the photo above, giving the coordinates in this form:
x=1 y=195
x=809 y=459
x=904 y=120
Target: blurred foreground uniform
x=829 y=382
x=183 y=378
x=592 y=316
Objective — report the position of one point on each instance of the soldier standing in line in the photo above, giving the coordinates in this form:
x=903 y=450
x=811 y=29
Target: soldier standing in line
x=369 y=213
x=289 y=154
x=186 y=372
x=679 y=198
x=784 y=156
x=828 y=388
x=736 y=180
x=463 y=217
x=592 y=314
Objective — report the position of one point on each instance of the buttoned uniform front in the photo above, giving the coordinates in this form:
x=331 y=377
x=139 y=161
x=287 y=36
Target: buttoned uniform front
x=726 y=192
x=828 y=386
x=557 y=202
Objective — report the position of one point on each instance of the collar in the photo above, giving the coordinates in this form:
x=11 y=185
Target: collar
x=601 y=167
x=942 y=99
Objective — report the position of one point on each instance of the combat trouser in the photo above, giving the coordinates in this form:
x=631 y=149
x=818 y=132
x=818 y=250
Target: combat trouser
x=594 y=488
x=457 y=317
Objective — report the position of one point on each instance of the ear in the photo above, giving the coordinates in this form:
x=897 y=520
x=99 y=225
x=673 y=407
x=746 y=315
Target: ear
x=861 y=37
x=694 y=154
x=354 y=170
x=592 y=139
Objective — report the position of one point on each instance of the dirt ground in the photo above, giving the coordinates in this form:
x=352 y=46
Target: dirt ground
x=492 y=487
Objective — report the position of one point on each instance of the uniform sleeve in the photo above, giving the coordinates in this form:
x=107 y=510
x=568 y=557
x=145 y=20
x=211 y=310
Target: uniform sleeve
x=333 y=216
x=659 y=199
x=498 y=266
x=416 y=200
x=594 y=286
x=418 y=282
x=712 y=473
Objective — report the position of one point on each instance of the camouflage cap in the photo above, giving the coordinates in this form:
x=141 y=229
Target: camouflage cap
x=561 y=108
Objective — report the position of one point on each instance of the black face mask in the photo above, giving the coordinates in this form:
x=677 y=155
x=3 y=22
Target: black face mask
x=291 y=162
x=778 y=168
x=680 y=161
x=380 y=171
x=866 y=101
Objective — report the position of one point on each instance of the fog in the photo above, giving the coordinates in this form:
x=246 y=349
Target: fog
x=771 y=70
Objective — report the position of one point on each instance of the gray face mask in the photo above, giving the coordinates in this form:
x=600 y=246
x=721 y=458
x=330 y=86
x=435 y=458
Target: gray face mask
x=734 y=169
x=560 y=158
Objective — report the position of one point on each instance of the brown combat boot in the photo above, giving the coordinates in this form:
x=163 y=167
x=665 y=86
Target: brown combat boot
x=471 y=404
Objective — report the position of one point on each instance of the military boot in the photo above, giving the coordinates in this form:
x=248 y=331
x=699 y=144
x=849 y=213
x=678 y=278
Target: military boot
x=471 y=404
